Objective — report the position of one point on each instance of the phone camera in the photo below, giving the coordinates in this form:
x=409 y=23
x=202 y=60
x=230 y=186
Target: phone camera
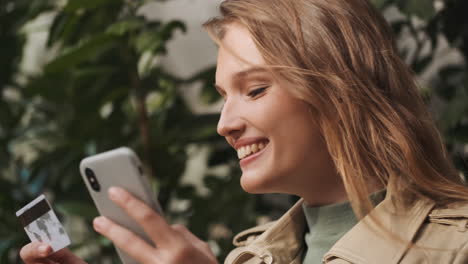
x=92 y=179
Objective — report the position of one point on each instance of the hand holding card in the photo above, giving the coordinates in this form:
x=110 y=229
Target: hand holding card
x=33 y=253
x=41 y=224
x=47 y=234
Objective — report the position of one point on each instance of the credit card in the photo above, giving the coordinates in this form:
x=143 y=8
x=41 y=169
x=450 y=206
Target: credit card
x=41 y=224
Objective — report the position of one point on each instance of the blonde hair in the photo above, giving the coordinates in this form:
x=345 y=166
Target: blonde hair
x=343 y=61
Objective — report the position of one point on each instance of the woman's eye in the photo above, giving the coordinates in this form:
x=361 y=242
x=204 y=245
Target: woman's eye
x=257 y=91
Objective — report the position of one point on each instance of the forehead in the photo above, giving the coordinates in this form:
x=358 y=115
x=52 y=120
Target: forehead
x=236 y=53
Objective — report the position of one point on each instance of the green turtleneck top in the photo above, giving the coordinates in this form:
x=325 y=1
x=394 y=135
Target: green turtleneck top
x=327 y=224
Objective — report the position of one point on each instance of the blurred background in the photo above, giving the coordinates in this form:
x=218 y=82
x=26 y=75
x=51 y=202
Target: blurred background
x=78 y=77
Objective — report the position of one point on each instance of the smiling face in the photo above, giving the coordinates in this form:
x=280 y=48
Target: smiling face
x=276 y=137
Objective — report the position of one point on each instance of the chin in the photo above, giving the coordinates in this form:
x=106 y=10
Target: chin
x=255 y=184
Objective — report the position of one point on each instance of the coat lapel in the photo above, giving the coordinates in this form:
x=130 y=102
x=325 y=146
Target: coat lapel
x=282 y=242
x=383 y=235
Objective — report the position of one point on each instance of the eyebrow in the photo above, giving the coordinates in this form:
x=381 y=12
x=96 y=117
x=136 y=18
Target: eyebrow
x=239 y=76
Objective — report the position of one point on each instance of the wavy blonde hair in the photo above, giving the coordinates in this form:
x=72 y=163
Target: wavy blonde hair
x=343 y=60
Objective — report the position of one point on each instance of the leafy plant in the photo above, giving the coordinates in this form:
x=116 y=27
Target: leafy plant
x=434 y=34
x=102 y=87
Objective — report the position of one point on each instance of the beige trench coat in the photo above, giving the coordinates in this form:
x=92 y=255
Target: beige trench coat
x=440 y=236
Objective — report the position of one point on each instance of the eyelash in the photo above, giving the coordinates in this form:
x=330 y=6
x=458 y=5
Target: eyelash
x=251 y=94
x=257 y=91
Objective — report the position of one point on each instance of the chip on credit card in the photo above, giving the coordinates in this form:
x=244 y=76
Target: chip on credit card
x=41 y=224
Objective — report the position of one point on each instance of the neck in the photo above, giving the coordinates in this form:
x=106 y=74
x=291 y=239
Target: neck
x=331 y=192
x=325 y=195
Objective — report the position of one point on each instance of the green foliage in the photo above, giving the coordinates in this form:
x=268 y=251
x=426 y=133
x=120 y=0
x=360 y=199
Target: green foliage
x=421 y=8
x=448 y=88
x=91 y=96
x=94 y=94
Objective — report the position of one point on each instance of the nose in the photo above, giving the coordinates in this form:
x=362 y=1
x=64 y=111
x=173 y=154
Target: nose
x=230 y=123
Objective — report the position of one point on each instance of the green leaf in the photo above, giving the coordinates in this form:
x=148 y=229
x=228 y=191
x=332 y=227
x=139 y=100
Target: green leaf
x=221 y=156
x=95 y=71
x=77 y=208
x=421 y=64
x=209 y=94
x=421 y=8
x=124 y=26
x=148 y=41
x=454 y=112
x=155 y=40
x=381 y=4
x=74 y=5
x=38 y=7
x=170 y=27
x=57 y=27
x=87 y=50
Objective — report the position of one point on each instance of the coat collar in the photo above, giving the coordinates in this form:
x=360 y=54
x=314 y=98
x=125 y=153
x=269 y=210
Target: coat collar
x=277 y=242
x=282 y=240
x=397 y=222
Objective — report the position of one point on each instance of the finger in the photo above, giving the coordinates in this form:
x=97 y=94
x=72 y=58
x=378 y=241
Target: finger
x=66 y=256
x=45 y=261
x=181 y=229
x=125 y=240
x=194 y=240
x=34 y=251
x=154 y=224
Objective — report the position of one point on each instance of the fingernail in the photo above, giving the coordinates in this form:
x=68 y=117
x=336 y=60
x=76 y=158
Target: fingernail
x=115 y=193
x=43 y=249
x=99 y=223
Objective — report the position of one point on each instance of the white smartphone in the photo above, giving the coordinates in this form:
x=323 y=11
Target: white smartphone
x=119 y=167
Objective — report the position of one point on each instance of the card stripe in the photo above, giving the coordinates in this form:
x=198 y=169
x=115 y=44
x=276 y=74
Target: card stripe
x=34 y=212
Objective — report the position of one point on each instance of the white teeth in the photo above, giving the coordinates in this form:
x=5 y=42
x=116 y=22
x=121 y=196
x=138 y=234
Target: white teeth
x=245 y=151
x=254 y=148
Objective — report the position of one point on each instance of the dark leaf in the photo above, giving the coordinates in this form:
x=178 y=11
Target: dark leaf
x=125 y=26
x=77 y=208
x=206 y=76
x=381 y=4
x=421 y=8
x=74 y=5
x=421 y=64
x=89 y=49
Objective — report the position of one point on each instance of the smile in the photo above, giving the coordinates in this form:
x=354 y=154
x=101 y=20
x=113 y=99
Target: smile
x=251 y=149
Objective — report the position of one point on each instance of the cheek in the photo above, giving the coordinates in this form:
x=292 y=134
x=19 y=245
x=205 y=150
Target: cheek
x=298 y=138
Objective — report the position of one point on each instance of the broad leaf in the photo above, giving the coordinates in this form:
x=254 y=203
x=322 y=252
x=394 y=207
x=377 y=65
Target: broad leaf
x=125 y=26
x=74 y=5
x=89 y=49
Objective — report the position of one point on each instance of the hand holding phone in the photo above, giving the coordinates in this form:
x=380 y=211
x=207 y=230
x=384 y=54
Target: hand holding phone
x=131 y=219
x=121 y=168
x=175 y=244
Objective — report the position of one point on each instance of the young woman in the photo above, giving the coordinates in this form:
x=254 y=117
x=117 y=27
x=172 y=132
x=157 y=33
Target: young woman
x=317 y=104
